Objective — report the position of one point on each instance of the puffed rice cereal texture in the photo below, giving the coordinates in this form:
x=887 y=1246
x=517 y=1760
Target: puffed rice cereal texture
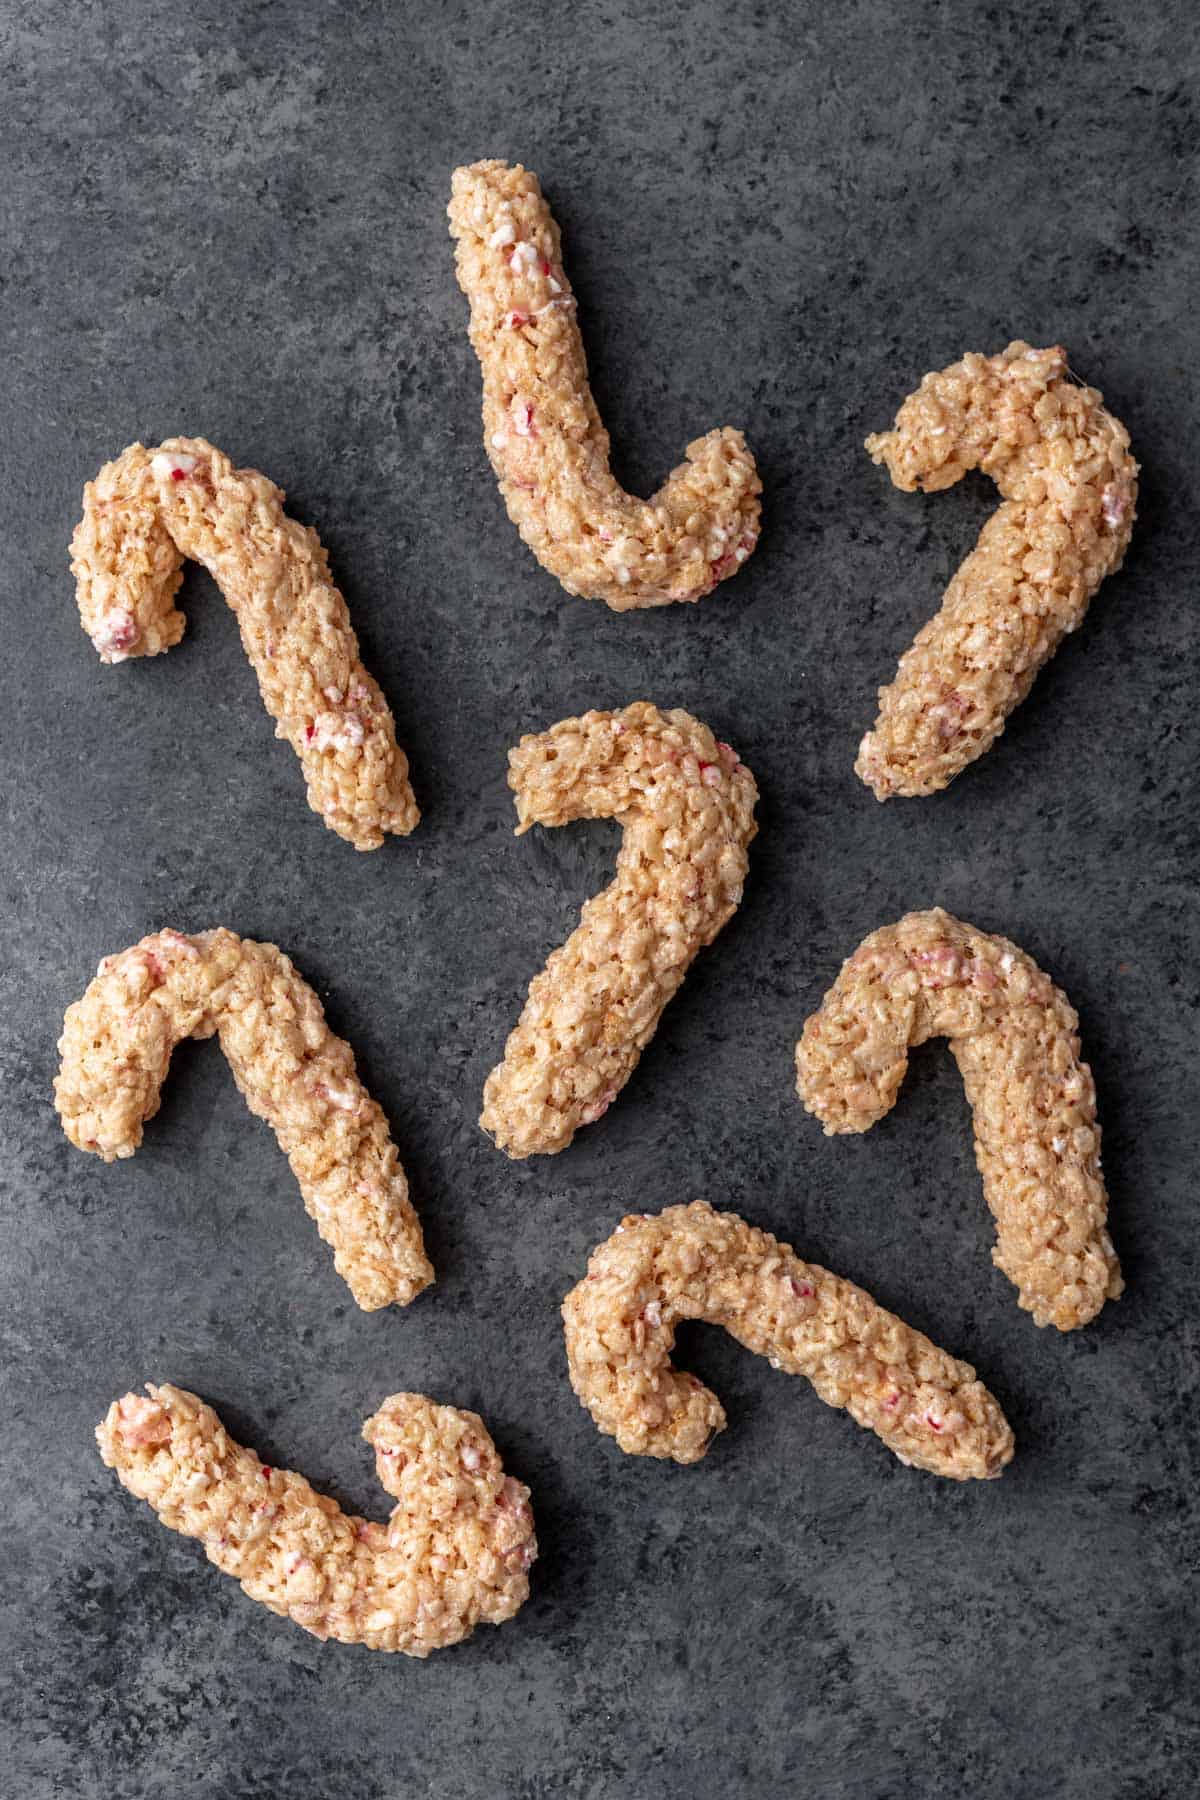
x=290 y=1069
x=545 y=438
x=686 y=806
x=1069 y=488
x=455 y=1553
x=1015 y=1038
x=691 y=1262
x=148 y=511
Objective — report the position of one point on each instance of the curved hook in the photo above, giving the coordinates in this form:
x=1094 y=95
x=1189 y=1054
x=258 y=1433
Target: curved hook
x=1014 y=1036
x=149 y=510
x=686 y=805
x=690 y=1262
x=545 y=438
x=456 y=1551
x=1062 y=464
x=290 y=1069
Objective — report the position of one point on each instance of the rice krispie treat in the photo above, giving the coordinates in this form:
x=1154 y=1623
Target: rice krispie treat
x=545 y=438
x=1015 y=1038
x=686 y=803
x=149 y=510
x=456 y=1551
x=1062 y=464
x=690 y=1262
x=289 y=1066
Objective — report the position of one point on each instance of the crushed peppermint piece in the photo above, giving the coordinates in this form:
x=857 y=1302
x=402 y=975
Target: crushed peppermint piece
x=172 y=466
x=116 y=631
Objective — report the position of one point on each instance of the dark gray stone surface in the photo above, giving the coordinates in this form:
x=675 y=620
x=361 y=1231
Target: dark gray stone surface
x=229 y=219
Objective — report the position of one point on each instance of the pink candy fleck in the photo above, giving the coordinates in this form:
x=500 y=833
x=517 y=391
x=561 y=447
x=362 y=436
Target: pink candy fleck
x=115 y=632
x=169 y=938
x=177 y=468
x=1114 y=504
x=345 y=1099
x=943 y=964
x=142 y=1422
x=329 y=732
x=983 y=976
x=803 y=1290
x=597 y=1108
x=949 y=715
x=516 y=318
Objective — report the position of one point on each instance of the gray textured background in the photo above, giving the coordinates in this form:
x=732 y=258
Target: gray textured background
x=229 y=219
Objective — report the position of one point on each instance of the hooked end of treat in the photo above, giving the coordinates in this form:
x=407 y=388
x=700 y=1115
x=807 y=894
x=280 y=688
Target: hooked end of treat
x=891 y=780
x=870 y=765
x=133 y=1424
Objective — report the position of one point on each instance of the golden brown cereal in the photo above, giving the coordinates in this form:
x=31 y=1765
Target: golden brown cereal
x=456 y=1551
x=545 y=438
x=1014 y=1036
x=1062 y=464
x=289 y=1066
x=149 y=510
x=690 y=1262
x=686 y=804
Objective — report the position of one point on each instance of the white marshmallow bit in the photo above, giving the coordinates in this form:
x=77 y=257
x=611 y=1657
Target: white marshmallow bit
x=343 y=1098
x=165 y=467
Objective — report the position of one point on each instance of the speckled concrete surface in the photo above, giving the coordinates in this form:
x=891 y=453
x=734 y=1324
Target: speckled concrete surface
x=230 y=220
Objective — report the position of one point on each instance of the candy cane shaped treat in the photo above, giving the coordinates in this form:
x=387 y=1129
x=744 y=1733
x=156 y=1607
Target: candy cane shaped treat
x=686 y=804
x=690 y=1262
x=545 y=438
x=289 y=1066
x=1014 y=1036
x=1062 y=464
x=149 y=510
x=455 y=1553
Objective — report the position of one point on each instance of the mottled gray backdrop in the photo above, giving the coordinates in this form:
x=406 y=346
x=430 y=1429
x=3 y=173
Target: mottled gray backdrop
x=229 y=219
